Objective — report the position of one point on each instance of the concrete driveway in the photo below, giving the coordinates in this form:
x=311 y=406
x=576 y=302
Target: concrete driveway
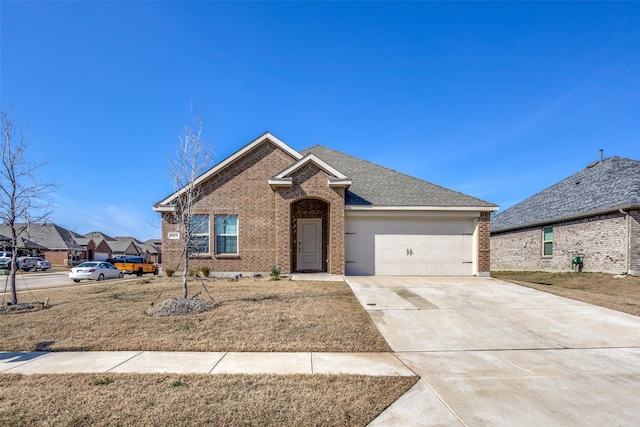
x=493 y=353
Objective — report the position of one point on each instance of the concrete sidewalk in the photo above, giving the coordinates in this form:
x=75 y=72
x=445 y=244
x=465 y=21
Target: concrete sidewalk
x=374 y=364
x=493 y=353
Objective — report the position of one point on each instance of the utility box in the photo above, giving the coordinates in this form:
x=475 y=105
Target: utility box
x=577 y=262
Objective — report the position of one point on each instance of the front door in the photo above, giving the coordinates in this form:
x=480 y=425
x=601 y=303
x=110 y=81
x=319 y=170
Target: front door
x=309 y=244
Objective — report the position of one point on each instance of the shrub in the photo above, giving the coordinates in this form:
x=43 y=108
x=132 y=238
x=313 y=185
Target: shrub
x=193 y=273
x=169 y=272
x=205 y=271
x=275 y=273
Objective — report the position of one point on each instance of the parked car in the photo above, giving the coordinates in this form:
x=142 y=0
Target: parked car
x=94 y=270
x=5 y=259
x=27 y=263
x=42 y=264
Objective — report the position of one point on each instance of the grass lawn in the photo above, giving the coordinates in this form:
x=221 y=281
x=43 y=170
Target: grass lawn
x=606 y=290
x=195 y=400
x=251 y=315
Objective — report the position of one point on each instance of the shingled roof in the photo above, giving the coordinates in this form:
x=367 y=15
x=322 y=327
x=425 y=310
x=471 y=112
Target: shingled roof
x=375 y=185
x=48 y=235
x=605 y=186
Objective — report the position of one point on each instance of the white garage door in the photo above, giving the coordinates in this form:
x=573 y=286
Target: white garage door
x=420 y=255
x=100 y=256
x=399 y=246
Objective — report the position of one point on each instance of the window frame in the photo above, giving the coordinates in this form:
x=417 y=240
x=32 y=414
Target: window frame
x=192 y=247
x=547 y=243
x=218 y=234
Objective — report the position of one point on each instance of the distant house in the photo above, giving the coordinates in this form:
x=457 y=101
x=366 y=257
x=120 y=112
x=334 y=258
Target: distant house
x=320 y=210
x=155 y=249
x=63 y=247
x=57 y=244
x=592 y=216
x=101 y=246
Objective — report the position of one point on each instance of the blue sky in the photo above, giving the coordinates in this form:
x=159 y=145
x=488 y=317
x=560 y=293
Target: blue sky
x=496 y=100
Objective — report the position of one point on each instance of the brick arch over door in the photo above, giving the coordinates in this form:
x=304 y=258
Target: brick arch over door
x=310 y=208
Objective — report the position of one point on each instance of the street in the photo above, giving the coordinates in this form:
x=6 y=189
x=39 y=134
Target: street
x=40 y=280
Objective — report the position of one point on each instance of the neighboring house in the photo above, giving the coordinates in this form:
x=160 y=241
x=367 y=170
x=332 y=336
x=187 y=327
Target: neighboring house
x=154 y=247
x=101 y=247
x=319 y=210
x=57 y=244
x=592 y=215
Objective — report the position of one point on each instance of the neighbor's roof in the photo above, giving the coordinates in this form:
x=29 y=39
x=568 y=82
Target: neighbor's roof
x=48 y=235
x=375 y=185
x=604 y=186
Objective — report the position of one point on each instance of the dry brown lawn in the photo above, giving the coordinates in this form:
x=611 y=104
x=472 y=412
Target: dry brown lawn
x=620 y=293
x=196 y=400
x=251 y=315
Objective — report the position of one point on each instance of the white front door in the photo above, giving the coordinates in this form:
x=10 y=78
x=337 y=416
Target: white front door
x=309 y=244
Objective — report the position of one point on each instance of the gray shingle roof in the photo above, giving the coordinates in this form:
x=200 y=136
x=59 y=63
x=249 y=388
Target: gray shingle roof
x=50 y=236
x=608 y=185
x=376 y=185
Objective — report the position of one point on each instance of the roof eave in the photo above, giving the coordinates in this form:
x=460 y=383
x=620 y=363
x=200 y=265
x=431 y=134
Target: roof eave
x=164 y=208
x=421 y=208
x=564 y=218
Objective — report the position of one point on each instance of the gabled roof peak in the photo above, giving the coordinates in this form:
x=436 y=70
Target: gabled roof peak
x=285 y=178
x=166 y=204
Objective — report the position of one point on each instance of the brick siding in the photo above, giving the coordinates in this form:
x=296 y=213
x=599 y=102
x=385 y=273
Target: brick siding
x=484 y=243
x=602 y=239
x=264 y=215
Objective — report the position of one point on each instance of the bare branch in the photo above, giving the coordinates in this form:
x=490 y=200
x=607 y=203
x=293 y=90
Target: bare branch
x=22 y=197
x=192 y=158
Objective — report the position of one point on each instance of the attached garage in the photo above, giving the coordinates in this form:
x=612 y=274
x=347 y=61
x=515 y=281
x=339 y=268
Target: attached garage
x=100 y=256
x=398 y=244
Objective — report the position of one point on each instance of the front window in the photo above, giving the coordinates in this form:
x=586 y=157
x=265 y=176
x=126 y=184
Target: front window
x=199 y=232
x=547 y=241
x=227 y=234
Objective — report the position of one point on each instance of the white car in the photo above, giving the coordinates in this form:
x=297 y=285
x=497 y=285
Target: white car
x=95 y=270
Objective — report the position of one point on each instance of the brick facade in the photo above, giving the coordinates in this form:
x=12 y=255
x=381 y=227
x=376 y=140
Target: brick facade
x=310 y=182
x=265 y=235
x=605 y=241
x=484 y=244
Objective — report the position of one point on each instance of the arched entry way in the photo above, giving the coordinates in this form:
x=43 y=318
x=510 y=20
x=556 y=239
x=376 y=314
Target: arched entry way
x=309 y=235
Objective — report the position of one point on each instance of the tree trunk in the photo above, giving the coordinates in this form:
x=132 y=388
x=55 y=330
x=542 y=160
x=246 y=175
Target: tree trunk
x=184 y=275
x=12 y=280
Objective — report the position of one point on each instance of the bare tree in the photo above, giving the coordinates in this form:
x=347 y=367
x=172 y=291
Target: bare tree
x=22 y=197
x=191 y=160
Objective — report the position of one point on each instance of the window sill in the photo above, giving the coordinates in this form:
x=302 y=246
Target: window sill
x=227 y=256
x=200 y=256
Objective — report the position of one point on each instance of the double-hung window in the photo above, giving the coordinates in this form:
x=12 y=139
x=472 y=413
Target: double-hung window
x=547 y=241
x=226 y=234
x=199 y=235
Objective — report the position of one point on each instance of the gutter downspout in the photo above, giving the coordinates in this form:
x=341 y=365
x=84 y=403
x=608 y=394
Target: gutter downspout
x=626 y=260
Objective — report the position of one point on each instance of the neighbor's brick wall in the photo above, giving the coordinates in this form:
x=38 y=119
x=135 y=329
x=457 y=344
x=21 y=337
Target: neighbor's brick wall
x=57 y=258
x=241 y=189
x=602 y=239
x=634 y=242
x=484 y=243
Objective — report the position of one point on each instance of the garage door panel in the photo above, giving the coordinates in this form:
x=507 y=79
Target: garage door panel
x=409 y=246
x=423 y=255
